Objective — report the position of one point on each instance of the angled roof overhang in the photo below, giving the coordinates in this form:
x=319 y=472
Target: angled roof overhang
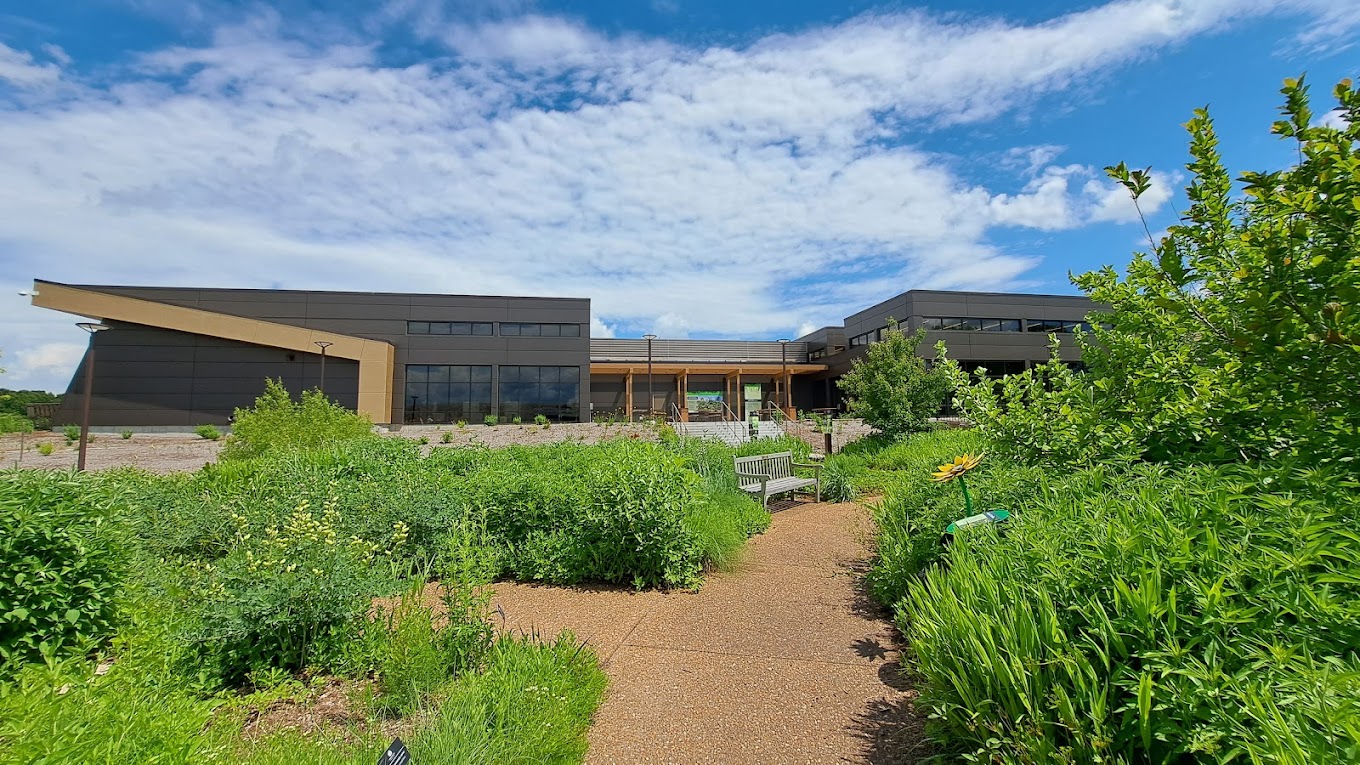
x=376 y=358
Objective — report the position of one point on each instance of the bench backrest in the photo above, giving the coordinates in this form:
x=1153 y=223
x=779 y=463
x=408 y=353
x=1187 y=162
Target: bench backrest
x=777 y=465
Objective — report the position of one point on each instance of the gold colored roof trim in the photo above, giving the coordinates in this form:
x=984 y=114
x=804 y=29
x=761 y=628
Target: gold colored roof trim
x=376 y=358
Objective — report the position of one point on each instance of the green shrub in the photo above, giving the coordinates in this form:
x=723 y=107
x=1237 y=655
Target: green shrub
x=447 y=437
x=72 y=433
x=126 y=434
x=890 y=387
x=1151 y=616
x=283 y=597
x=61 y=567
x=541 y=419
x=277 y=422
x=208 y=432
x=516 y=420
x=490 y=419
x=15 y=423
x=46 y=449
x=462 y=424
x=721 y=524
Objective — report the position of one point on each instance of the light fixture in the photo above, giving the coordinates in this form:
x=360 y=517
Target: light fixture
x=651 y=399
x=324 y=344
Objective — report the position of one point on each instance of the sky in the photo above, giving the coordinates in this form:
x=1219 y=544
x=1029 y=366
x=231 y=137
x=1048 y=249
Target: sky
x=697 y=168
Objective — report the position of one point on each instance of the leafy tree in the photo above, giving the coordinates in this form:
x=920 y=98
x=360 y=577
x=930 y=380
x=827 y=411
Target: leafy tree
x=890 y=387
x=1237 y=337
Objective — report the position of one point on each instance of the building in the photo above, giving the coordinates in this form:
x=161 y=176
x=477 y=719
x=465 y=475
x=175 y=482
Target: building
x=186 y=357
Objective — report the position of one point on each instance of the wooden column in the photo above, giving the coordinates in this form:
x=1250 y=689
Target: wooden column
x=741 y=399
x=628 y=393
x=788 y=397
x=682 y=386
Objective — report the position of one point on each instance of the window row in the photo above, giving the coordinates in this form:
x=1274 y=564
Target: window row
x=531 y=329
x=866 y=338
x=487 y=329
x=444 y=393
x=967 y=324
x=962 y=324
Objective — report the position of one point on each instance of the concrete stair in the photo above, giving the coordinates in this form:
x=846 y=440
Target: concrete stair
x=730 y=433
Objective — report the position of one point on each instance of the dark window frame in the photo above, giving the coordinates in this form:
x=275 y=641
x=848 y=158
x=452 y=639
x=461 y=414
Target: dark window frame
x=446 y=328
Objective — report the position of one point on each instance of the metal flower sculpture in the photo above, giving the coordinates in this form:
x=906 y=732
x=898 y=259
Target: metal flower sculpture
x=955 y=470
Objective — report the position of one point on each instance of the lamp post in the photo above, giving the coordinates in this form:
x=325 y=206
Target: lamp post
x=324 y=344
x=784 y=372
x=92 y=327
x=651 y=400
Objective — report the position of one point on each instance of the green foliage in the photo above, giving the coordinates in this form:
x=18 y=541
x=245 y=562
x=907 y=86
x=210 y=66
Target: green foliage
x=14 y=423
x=281 y=595
x=126 y=434
x=890 y=387
x=541 y=419
x=46 y=449
x=447 y=437
x=1048 y=413
x=66 y=714
x=516 y=420
x=490 y=419
x=16 y=401
x=72 y=433
x=838 y=483
x=1237 y=337
x=276 y=422
x=61 y=568
x=208 y=432
x=1151 y=616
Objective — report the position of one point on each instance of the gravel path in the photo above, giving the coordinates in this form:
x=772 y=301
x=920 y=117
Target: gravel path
x=784 y=660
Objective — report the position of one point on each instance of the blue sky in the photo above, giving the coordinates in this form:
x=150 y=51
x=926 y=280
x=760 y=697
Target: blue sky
x=697 y=168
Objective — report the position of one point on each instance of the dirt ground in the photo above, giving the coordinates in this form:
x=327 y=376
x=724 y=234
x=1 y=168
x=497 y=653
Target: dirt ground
x=175 y=452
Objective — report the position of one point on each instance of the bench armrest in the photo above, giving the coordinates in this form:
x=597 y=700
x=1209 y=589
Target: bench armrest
x=815 y=467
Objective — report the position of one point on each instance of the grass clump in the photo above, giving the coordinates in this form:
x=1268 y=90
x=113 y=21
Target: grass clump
x=278 y=423
x=208 y=432
x=46 y=449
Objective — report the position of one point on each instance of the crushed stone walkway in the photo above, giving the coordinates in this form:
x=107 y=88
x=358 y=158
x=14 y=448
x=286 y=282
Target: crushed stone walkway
x=783 y=660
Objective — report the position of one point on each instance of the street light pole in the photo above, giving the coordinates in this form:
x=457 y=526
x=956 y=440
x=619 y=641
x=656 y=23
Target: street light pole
x=324 y=345
x=784 y=373
x=92 y=327
x=651 y=399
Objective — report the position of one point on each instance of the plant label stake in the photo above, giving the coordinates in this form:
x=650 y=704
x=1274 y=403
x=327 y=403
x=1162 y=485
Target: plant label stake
x=396 y=754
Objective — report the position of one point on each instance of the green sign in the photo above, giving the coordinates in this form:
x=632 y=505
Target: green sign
x=753 y=392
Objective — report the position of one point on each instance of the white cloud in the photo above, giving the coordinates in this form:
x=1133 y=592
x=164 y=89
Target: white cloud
x=1111 y=202
x=598 y=328
x=681 y=188
x=19 y=69
x=1335 y=118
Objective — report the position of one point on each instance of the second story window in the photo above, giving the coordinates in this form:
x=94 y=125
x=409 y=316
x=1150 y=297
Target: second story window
x=538 y=329
x=480 y=328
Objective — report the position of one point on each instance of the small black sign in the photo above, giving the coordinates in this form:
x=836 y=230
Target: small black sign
x=396 y=754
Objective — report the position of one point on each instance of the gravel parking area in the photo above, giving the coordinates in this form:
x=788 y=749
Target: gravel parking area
x=175 y=452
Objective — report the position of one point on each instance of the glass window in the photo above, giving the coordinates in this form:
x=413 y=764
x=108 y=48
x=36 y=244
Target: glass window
x=442 y=393
x=571 y=330
x=528 y=391
x=1044 y=325
x=932 y=323
x=509 y=329
x=1010 y=325
x=484 y=328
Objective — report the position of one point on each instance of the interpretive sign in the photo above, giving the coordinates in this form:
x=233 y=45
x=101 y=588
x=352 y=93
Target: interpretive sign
x=396 y=754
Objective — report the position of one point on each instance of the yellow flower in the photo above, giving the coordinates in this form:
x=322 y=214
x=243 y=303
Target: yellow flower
x=961 y=464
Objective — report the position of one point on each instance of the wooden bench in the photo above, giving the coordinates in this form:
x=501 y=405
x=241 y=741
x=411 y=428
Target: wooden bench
x=767 y=474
